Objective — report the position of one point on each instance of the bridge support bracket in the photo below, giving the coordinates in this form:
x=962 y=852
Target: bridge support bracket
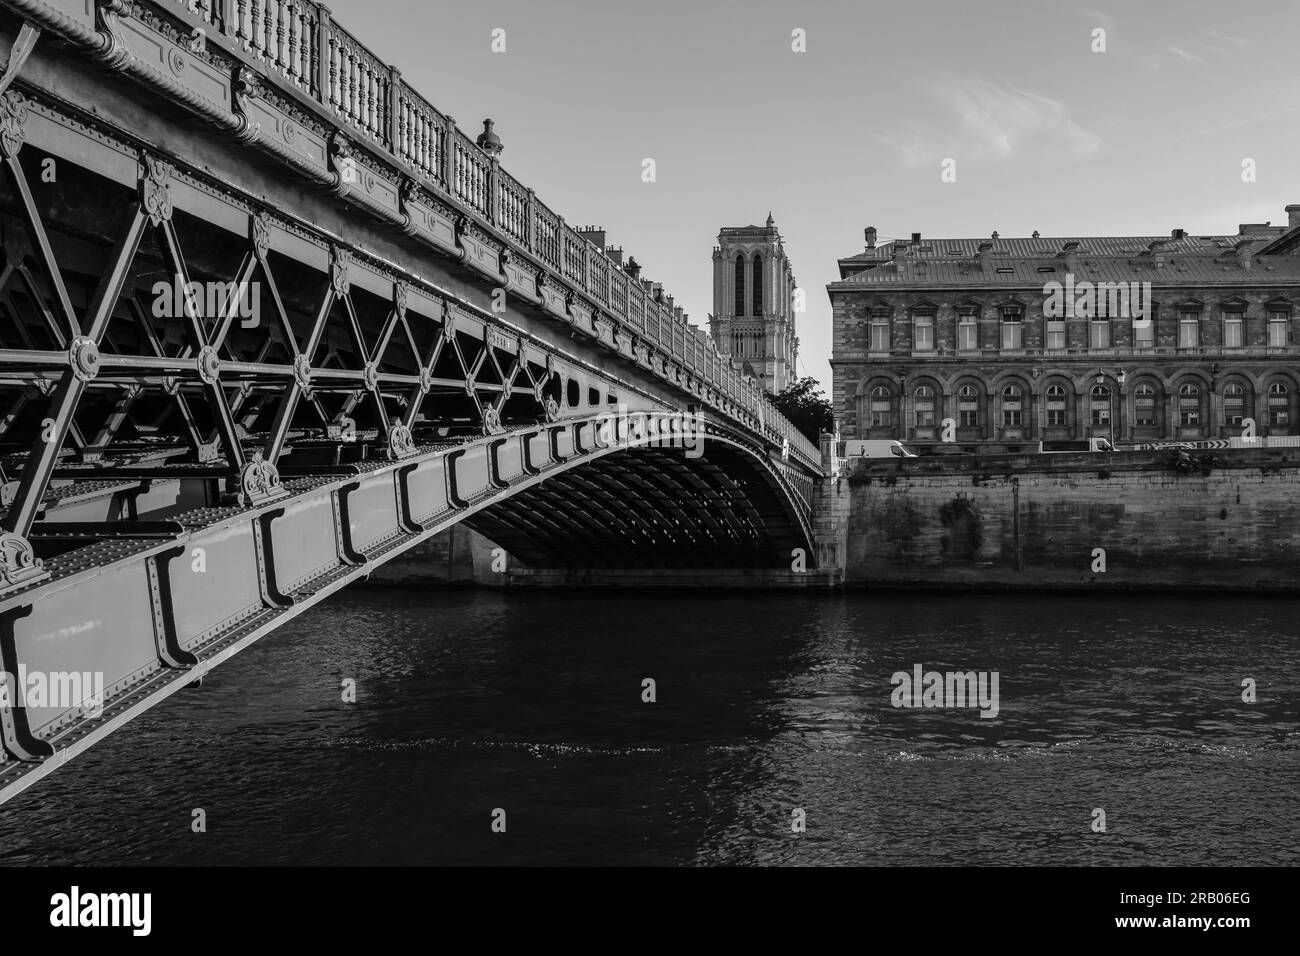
x=19 y=565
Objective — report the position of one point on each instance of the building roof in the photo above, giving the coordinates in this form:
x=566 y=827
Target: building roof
x=1163 y=260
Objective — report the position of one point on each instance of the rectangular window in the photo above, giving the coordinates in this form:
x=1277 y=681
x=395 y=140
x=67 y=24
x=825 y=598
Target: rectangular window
x=1011 y=414
x=924 y=412
x=880 y=334
x=1278 y=325
x=1144 y=333
x=1145 y=410
x=923 y=334
x=1056 y=414
x=967 y=332
x=1101 y=414
x=1055 y=334
x=1189 y=330
x=970 y=417
x=1279 y=410
x=1232 y=325
x=1099 y=334
x=1012 y=332
x=881 y=413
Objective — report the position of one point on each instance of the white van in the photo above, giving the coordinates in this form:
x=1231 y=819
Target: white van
x=875 y=448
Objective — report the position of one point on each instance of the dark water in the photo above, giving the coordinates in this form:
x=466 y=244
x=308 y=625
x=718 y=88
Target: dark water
x=470 y=701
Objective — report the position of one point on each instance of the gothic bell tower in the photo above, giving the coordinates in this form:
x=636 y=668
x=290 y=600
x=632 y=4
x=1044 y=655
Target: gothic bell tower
x=753 y=312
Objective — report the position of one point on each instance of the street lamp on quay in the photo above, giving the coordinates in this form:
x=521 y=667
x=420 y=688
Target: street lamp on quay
x=1120 y=377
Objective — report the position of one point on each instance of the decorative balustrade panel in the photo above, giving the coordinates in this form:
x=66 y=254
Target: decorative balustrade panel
x=599 y=278
x=470 y=174
x=618 y=293
x=420 y=134
x=636 y=307
x=546 y=235
x=574 y=258
x=358 y=85
x=512 y=207
x=284 y=34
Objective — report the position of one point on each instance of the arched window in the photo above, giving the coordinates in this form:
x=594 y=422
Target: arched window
x=1099 y=405
x=924 y=405
x=758 y=285
x=1234 y=403
x=1056 y=406
x=882 y=407
x=1144 y=405
x=968 y=406
x=1012 y=406
x=1279 y=404
x=1189 y=404
x=740 y=285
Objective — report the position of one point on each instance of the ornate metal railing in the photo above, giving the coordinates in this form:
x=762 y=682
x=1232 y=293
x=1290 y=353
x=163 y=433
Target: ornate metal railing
x=299 y=41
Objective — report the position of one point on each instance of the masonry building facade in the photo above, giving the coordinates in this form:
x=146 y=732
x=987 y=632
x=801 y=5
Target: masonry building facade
x=753 y=312
x=1128 y=338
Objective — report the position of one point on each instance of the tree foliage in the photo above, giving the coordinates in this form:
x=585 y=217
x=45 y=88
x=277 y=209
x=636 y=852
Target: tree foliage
x=808 y=409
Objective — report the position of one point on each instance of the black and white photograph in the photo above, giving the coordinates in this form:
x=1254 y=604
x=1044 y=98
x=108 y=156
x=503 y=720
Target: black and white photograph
x=709 y=434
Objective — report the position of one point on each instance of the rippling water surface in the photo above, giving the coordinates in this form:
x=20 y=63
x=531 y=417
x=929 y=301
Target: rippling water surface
x=473 y=700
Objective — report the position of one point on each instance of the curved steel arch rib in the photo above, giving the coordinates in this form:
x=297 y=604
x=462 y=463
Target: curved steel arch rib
x=192 y=590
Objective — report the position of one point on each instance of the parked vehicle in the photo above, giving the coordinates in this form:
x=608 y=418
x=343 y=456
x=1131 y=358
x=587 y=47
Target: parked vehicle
x=875 y=448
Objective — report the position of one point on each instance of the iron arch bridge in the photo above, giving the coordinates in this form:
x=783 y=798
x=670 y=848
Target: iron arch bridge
x=268 y=319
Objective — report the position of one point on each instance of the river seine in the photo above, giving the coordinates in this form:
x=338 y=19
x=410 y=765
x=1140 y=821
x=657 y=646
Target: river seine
x=530 y=711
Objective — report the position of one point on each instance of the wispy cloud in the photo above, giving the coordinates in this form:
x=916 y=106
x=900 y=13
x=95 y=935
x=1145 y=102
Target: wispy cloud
x=1200 y=49
x=1180 y=53
x=983 y=119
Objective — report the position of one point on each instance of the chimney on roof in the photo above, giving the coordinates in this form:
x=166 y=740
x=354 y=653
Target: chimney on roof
x=1156 y=250
x=669 y=300
x=679 y=314
x=870 y=235
x=1178 y=234
x=616 y=254
x=1035 y=235
x=985 y=256
x=1293 y=215
x=897 y=250
x=916 y=238
x=1070 y=253
x=1255 y=228
x=1244 y=253
x=593 y=234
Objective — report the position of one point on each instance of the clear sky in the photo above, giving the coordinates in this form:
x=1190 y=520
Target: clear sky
x=1047 y=135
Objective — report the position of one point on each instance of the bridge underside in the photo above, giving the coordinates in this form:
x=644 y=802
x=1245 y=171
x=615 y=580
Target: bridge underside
x=649 y=508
